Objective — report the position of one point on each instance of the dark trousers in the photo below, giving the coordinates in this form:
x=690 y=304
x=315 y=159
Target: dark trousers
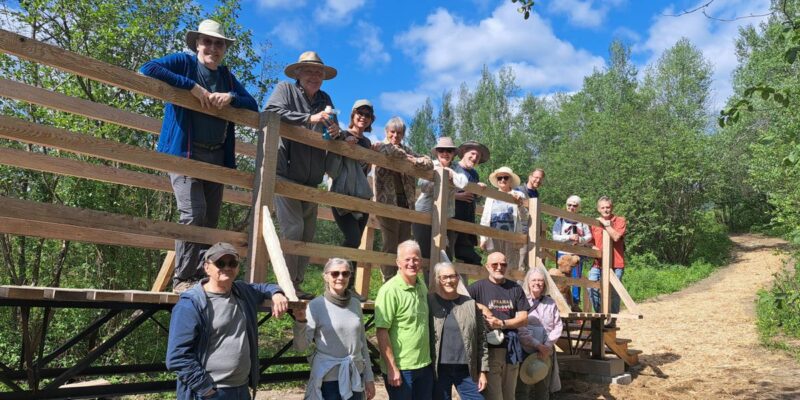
x=422 y=234
x=352 y=226
x=330 y=391
x=231 y=393
x=417 y=384
x=199 y=203
x=450 y=375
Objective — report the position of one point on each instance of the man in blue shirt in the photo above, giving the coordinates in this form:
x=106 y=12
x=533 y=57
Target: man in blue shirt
x=198 y=136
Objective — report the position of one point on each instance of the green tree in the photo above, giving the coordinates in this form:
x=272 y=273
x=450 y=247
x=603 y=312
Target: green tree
x=421 y=136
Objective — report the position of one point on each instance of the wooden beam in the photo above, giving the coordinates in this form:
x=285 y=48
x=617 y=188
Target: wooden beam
x=624 y=295
x=439 y=217
x=534 y=233
x=101 y=173
x=582 y=282
x=607 y=263
x=558 y=212
x=165 y=273
x=569 y=248
x=43 y=53
x=364 y=270
x=473 y=187
x=264 y=189
x=552 y=289
x=22 y=210
x=28 y=132
x=90 y=109
x=23 y=227
x=275 y=249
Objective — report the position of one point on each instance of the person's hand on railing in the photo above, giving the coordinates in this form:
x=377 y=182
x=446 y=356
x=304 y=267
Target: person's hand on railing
x=220 y=100
x=519 y=198
x=465 y=197
x=351 y=140
x=201 y=94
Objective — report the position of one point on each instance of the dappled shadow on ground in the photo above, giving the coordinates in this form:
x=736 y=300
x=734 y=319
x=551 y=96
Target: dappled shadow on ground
x=576 y=389
x=650 y=364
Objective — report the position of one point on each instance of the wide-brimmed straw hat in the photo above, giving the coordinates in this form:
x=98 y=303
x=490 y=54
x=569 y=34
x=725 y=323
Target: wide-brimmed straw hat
x=504 y=171
x=208 y=27
x=534 y=369
x=309 y=58
x=470 y=145
x=444 y=142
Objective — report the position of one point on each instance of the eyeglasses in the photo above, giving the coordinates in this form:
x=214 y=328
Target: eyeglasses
x=335 y=274
x=445 y=278
x=440 y=150
x=364 y=113
x=208 y=42
x=572 y=206
x=503 y=178
x=498 y=265
x=221 y=264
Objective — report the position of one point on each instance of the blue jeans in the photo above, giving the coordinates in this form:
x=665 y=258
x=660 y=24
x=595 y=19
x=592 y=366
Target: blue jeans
x=577 y=272
x=458 y=375
x=417 y=385
x=230 y=393
x=594 y=275
x=330 y=391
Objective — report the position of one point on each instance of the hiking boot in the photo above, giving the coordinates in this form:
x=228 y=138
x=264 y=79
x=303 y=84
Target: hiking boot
x=301 y=295
x=611 y=324
x=183 y=286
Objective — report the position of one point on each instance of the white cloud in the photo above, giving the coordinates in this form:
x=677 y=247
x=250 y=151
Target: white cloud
x=268 y=4
x=368 y=43
x=11 y=23
x=338 y=11
x=451 y=51
x=402 y=102
x=583 y=13
x=716 y=39
x=291 y=33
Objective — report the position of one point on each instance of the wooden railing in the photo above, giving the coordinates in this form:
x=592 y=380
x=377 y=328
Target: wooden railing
x=261 y=242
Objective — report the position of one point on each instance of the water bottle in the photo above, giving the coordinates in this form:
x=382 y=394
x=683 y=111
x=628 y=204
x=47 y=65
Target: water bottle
x=332 y=115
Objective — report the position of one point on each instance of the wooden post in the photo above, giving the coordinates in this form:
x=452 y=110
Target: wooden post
x=364 y=270
x=607 y=263
x=165 y=273
x=263 y=190
x=534 y=232
x=273 y=244
x=439 y=215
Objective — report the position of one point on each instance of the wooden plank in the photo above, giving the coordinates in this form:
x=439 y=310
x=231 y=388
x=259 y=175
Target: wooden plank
x=569 y=248
x=364 y=270
x=534 y=233
x=90 y=109
x=631 y=305
x=101 y=173
x=620 y=351
x=473 y=187
x=264 y=188
x=56 y=231
x=559 y=212
x=22 y=292
x=305 y=193
x=275 y=248
x=325 y=213
x=582 y=282
x=165 y=273
x=28 y=132
x=563 y=306
x=439 y=214
x=607 y=263
x=22 y=210
x=66 y=294
x=64 y=60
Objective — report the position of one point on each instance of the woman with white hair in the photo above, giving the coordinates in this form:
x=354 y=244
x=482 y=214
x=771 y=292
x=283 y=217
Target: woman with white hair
x=333 y=323
x=576 y=233
x=460 y=356
x=511 y=217
x=395 y=188
x=538 y=338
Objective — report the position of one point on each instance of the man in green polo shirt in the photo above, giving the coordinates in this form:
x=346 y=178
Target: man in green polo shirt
x=401 y=319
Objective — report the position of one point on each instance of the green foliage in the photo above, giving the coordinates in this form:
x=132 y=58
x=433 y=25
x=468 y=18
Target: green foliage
x=778 y=311
x=525 y=7
x=645 y=277
x=421 y=137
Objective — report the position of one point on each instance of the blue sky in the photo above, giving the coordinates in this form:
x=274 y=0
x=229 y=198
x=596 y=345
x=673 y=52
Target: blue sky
x=397 y=53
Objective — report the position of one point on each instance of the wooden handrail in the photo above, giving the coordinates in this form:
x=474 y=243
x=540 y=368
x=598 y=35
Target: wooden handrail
x=90 y=109
x=558 y=212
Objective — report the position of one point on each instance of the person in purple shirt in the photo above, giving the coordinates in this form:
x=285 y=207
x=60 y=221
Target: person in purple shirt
x=197 y=135
x=539 y=336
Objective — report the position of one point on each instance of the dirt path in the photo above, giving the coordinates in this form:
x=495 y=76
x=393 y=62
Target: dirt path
x=700 y=343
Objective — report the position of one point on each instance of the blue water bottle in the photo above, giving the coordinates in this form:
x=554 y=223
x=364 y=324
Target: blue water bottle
x=332 y=116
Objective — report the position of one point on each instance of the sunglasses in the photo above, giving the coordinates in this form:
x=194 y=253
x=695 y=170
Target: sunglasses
x=335 y=274
x=364 y=113
x=221 y=264
x=498 y=265
x=208 y=42
x=445 y=150
x=503 y=178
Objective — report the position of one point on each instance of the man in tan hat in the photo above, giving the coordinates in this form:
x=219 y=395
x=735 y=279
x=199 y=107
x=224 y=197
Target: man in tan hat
x=302 y=103
x=197 y=135
x=471 y=154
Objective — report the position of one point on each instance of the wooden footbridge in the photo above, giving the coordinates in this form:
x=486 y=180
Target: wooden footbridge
x=40 y=372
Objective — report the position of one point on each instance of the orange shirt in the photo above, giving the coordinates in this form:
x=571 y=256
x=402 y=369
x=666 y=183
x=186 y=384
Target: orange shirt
x=619 y=224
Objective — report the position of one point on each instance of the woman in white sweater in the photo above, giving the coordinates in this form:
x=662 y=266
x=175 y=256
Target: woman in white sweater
x=340 y=364
x=505 y=216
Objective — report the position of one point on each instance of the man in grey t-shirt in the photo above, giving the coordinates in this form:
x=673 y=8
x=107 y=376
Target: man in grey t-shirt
x=213 y=338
